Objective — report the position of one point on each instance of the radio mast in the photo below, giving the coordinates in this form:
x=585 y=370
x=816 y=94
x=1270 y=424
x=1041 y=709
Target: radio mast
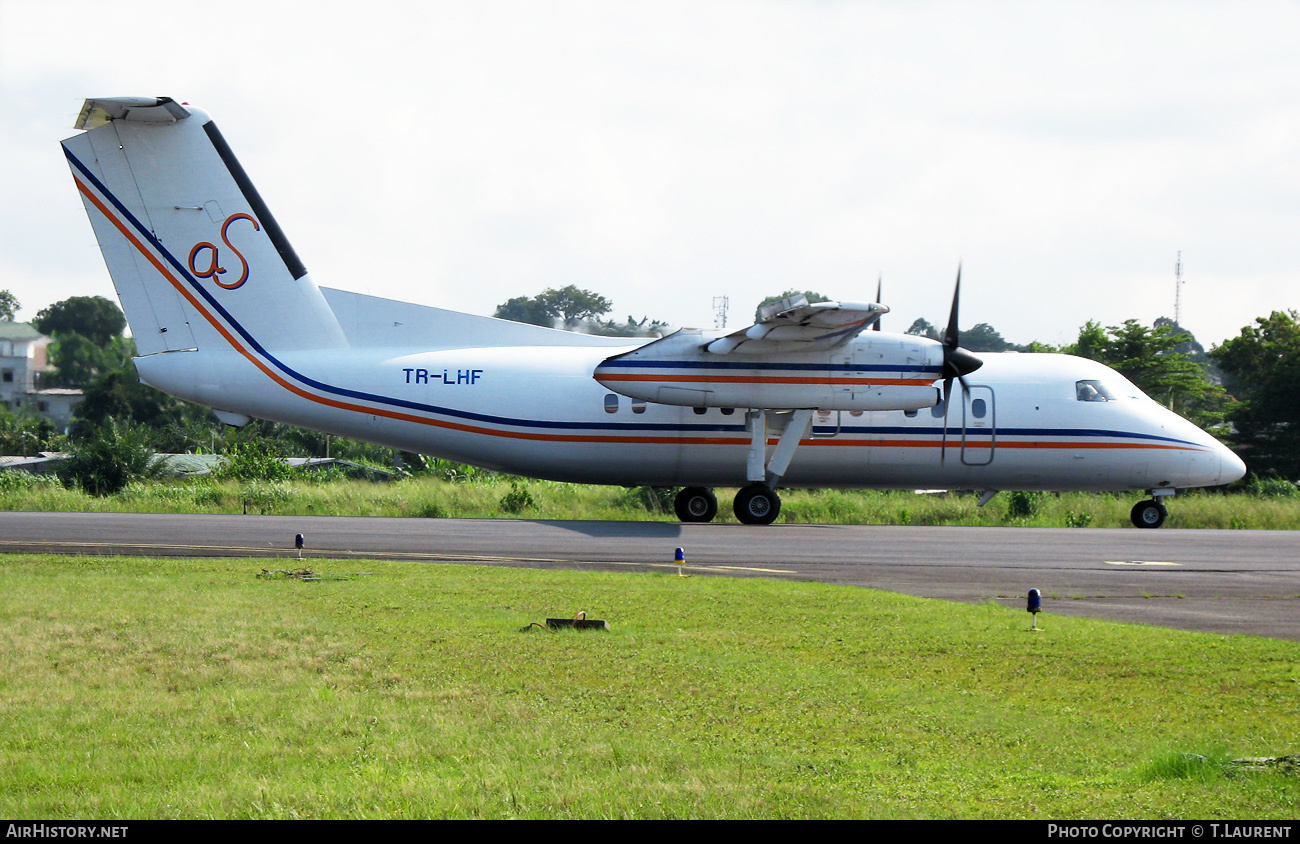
x=1178 y=290
x=720 y=305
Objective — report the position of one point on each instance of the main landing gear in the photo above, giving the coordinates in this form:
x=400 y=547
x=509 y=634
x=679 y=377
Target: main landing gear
x=757 y=503
x=696 y=504
x=1151 y=513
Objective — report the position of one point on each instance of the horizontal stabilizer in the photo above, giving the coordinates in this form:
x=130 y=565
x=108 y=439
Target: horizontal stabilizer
x=97 y=112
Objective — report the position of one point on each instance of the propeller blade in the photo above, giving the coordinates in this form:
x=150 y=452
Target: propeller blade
x=950 y=339
x=947 y=402
x=943 y=441
x=880 y=284
x=956 y=360
x=957 y=363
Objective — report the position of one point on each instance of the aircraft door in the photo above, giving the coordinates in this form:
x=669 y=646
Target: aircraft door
x=978 y=426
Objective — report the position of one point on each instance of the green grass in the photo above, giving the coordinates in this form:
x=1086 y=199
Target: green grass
x=509 y=497
x=134 y=688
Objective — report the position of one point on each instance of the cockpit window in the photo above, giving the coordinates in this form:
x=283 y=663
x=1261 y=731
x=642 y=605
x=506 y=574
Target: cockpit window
x=1093 y=391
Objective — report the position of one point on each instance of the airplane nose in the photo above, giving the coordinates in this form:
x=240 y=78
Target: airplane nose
x=1231 y=467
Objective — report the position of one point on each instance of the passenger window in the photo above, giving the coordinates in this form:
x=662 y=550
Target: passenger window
x=638 y=406
x=727 y=411
x=937 y=410
x=611 y=403
x=910 y=414
x=978 y=408
x=700 y=411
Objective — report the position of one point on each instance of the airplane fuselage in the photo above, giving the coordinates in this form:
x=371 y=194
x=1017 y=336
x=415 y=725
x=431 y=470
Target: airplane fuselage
x=536 y=410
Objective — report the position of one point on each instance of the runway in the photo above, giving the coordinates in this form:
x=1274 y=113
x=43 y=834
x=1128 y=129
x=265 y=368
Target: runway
x=1205 y=580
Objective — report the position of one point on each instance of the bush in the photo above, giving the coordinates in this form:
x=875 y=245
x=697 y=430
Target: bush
x=104 y=462
x=263 y=495
x=248 y=461
x=653 y=499
x=517 y=499
x=1272 y=487
x=13 y=480
x=1077 y=520
x=1024 y=505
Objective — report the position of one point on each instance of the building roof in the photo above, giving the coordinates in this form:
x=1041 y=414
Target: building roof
x=18 y=331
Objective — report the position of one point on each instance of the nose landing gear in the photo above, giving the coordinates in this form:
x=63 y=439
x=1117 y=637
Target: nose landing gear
x=1149 y=514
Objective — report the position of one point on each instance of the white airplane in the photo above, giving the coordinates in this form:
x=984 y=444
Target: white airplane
x=224 y=314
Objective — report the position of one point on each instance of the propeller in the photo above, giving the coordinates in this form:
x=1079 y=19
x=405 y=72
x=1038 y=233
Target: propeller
x=957 y=363
x=880 y=286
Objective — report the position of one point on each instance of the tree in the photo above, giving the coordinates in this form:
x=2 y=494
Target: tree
x=923 y=328
x=569 y=306
x=576 y=310
x=93 y=317
x=78 y=359
x=981 y=338
x=572 y=306
x=1147 y=357
x=1261 y=369
x=523 y=309
x=87 y=332
x=107 y=461
x=985 y=338
x=644 y=327
x=9 y=306
x=26 y=433
x=1092 y=342
x=119 y=395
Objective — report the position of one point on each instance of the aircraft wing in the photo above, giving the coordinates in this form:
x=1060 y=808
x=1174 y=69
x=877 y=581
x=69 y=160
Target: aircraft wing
x=793 y=325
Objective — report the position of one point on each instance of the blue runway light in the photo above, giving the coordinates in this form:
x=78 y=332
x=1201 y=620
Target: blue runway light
x=1035 y=606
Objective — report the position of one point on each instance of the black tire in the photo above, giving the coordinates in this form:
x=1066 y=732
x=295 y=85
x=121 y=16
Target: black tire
x=757 y=505
x=1148 y=514
x=696 y=504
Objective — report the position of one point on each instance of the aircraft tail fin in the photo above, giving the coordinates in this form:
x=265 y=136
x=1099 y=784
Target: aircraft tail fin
x=196 y=256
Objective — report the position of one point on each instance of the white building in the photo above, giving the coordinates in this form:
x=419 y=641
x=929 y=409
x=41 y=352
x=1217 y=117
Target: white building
x=24 y=358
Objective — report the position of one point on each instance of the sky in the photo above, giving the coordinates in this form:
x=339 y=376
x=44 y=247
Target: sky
x=459 y=154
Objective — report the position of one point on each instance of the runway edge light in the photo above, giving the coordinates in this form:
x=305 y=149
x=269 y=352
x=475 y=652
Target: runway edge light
x=1035 y=606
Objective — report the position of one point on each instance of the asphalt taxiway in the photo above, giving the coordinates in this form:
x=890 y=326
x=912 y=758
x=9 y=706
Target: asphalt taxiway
x=1206 y=580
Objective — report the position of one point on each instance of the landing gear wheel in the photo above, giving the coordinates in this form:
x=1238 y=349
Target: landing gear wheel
x=1148 y=514
x=696 y=504
x=757 y=505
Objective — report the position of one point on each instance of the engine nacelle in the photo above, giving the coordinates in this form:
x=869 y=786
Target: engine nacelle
x=876 y=371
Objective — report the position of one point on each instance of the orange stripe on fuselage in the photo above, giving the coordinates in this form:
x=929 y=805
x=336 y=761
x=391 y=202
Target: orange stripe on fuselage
x=830 y=380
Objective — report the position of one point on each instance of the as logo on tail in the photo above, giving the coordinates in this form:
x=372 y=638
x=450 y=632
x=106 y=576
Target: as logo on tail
x=214 y=269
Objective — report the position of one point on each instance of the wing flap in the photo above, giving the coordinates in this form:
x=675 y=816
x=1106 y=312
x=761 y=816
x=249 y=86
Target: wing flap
x=795 y=325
